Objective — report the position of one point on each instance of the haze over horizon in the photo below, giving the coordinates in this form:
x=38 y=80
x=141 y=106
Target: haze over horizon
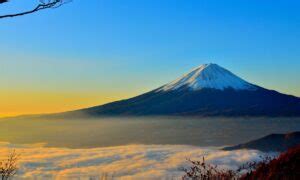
x=90 y=53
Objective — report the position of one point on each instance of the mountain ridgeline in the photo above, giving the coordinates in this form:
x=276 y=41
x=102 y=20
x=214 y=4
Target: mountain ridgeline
x=208 y=90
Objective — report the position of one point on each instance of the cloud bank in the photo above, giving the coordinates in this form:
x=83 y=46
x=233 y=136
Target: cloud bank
x=123 y=162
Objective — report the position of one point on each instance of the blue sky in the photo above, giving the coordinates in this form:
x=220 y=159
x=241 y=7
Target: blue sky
x=121 y=48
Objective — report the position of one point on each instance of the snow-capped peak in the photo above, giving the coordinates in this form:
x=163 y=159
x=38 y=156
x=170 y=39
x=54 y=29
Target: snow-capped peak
x=209 y=76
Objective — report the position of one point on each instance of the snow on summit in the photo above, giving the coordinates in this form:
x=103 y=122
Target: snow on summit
x=209 y=76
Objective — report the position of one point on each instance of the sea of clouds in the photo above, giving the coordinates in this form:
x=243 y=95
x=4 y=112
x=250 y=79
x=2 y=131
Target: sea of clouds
x=120 y=162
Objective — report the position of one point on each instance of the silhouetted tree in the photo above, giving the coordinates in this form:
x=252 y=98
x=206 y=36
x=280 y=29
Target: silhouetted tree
x=3 y=1
x=200 y=170
x=8 y=167
x=43 y=4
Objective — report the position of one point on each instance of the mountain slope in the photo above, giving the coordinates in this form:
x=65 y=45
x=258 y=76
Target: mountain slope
x=208 y=90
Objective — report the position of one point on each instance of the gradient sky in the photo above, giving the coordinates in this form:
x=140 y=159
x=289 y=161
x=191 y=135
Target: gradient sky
x=90 y=52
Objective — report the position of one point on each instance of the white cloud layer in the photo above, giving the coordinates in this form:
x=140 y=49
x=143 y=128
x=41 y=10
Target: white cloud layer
x=121 y=162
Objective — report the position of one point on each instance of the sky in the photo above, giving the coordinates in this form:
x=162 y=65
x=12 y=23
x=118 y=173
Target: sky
x=87 y=53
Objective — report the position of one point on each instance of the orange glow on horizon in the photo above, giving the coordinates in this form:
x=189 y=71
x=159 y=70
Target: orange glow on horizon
x=23 y=103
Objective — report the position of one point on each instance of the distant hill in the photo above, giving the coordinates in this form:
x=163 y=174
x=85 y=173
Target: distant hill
x=272 y=142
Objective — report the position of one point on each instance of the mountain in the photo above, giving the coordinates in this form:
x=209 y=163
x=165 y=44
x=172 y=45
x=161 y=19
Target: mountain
x=208 y=90
x=272 y=142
